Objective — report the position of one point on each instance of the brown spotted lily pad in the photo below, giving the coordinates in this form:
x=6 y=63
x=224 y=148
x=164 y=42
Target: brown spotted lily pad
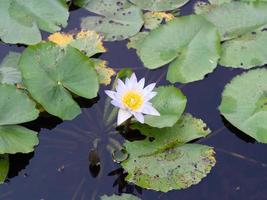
x=163 y=161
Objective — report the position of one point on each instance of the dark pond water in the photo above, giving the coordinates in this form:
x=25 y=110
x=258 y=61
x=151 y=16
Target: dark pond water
x=59 y=167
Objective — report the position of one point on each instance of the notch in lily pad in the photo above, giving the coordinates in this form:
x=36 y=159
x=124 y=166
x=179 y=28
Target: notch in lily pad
x=16 y=108
x=189 y=44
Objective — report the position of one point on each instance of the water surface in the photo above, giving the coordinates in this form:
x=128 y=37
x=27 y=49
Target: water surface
x=59 y=167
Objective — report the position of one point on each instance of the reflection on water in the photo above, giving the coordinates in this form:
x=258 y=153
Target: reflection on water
x=73 y=161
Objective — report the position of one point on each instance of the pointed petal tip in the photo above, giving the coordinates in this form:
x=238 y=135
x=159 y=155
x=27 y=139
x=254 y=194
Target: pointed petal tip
x=123 y=115
x=110 y=93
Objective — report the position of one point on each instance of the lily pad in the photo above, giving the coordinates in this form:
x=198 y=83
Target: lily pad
x=4 y=167
x=159 y=5
x=237 y=18
x=245 y=52
x=17 y=139
x=163 y=161
x=170 y=102
x=186 y=129
x=52 y=73
x=120 y=197
x=190 y=43
x=117 y=20
x=136 y=41
x=15 y=106
x=9 y=72
x=175 y=168
x=244 y=103
x=21 y=20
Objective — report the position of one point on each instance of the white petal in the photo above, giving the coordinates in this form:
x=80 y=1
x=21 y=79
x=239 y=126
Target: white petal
x=133 y=78
x=123 y=115
x=127 y=82
x=111 y=94
x=150 y=87
x=150 y=110
x=121 y=86
x=141 y=83
x=150 y=96
x=116 y=104
x=139 y=117
x=133 y=84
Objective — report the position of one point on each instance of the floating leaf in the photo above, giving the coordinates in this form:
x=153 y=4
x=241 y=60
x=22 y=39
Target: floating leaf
x=117 y=20
x=104 y=72
x=4 y=167
x=190 y=43
x=154 y=19
x=120 y=197
x=21 y=20
x=175 y=168
x=159 y=5
x=163 y=161
x=237 y=18
x=170 y=102
x=50 y=73
x=245 y=52
x=186 y=129
x=17 y=139
x=15 y=106
x=9 y=72
x=244 y=103
x=137 y=40
x=88 y=42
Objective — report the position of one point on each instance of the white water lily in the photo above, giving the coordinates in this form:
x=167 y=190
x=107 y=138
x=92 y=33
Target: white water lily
x=132 y=99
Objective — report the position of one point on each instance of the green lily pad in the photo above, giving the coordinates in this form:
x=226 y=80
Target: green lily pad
x=170 y=102
x=4 y=167
x=117 y=20
x=237 y=18
x=17 y=139
x=245 y=52
x=120 y=197
x=175 y=168
x=9 y=72
x=135 y=42
x=244 y=103
x=186 y=129
x=159 y=5
x=190 y=44
x=15 y=106
x=21 y=20
x=51 y=74
x=163 y=161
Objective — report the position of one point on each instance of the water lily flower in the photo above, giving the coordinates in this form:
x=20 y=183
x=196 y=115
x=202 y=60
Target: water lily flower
x=132 y=99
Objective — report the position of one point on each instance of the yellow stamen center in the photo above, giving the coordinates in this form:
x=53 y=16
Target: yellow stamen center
x=132 y=100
